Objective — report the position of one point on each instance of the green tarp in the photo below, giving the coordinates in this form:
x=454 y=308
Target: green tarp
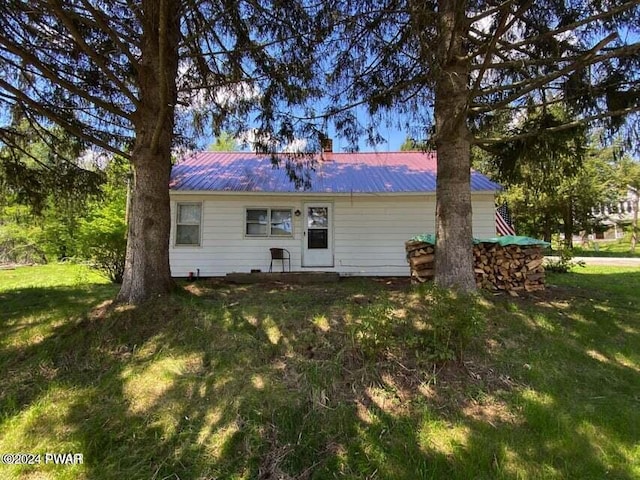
x=505 y=240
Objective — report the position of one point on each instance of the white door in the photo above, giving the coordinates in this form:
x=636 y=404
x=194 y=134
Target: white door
x=317 y=236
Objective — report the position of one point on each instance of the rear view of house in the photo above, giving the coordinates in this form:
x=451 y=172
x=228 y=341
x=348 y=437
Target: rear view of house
x=352 y=216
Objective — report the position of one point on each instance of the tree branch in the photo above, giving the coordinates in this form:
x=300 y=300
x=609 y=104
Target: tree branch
x=589 y=58
x=566 y=126
x=102 y=23
x=571 y=26
x=57 y=119
x=500 y=29
x=54 y=77
x=91 y=53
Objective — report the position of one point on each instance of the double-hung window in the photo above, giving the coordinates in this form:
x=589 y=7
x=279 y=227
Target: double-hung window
x=268 y=222
x=188 y=221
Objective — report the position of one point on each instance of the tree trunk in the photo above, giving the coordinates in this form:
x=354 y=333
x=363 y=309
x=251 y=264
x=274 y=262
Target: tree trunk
x=634 y=223
x=454 y=254
x=547 y=231
x=567 y=222
x=147 y=273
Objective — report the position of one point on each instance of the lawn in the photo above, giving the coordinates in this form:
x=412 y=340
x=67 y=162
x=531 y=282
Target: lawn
x=319 y=381
x=607 y=248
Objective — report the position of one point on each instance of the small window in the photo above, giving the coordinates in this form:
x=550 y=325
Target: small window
x=269 y=222
x=188 y=224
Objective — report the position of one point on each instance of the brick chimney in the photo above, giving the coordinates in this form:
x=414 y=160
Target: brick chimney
x=327 y=145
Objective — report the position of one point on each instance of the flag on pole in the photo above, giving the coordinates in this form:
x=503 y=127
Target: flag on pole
x=503 y=221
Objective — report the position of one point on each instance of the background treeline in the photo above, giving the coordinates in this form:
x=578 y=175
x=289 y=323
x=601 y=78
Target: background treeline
x=62 y=204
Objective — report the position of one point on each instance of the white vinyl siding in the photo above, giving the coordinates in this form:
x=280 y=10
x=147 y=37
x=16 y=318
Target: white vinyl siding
x=368 y=232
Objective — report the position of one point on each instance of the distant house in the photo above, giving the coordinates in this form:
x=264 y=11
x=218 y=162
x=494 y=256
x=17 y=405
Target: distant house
x=229 y=209
x=616 y=215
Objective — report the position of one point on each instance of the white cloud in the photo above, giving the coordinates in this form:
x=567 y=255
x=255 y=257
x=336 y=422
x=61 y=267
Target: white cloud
x=298 y=145
x=256 y=141
x=229 y=96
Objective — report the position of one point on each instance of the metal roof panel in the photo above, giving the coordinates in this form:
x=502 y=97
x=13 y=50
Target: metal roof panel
x=392 y=172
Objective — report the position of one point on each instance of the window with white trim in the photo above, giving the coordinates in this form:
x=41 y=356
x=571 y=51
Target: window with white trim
x=188 y=220
x=269 y=222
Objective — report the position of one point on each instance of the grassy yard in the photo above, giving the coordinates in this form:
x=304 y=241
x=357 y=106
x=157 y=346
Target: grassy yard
x=607 y=248
x=319 y=381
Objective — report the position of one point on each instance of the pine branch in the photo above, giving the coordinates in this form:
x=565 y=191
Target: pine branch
x=46 y=72
x=103 y=24
x=589 y=58
x=571 y=26
x=502 y=27
x=91 y=53
x=559 y=128
x=60 y=120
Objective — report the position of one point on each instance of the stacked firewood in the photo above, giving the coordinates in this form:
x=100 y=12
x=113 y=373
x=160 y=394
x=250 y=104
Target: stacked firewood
x=510 y=268
x=421 y=257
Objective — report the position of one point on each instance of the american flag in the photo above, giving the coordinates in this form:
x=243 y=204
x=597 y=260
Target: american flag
x=504 y=226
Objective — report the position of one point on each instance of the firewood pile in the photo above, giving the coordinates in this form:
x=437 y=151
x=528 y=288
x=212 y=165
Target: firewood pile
x=510 y=268
x=421 y=257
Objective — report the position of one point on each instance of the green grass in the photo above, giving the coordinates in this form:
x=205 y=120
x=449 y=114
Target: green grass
x=607 y=248
x=319 y=381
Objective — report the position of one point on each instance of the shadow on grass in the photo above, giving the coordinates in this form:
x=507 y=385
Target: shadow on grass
x=277 y=382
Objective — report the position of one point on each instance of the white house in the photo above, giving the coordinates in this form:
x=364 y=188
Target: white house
x=229 y=209
x=615 y=216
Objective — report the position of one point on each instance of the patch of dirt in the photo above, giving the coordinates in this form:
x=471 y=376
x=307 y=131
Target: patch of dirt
x=101 y=311
x=394 y=283
x=490 y=411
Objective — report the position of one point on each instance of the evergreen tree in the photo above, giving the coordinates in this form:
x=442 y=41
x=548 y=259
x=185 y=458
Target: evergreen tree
x=126 y=76
x=459 y=65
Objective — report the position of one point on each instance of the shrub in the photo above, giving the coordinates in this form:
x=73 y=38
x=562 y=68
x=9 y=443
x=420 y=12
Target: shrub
x=564 y=263
x=103 y=241
x=19 y=244
x=373 y=333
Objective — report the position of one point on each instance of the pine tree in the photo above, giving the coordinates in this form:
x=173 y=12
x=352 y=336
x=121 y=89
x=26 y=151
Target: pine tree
x=137 y=78
x=459 y=65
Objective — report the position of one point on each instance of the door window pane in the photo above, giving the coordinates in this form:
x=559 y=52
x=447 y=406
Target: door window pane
x=317 y=239
x=317 y=217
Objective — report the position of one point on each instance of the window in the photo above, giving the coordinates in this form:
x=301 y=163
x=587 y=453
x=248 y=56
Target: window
x=269 y=222
x=188 y=223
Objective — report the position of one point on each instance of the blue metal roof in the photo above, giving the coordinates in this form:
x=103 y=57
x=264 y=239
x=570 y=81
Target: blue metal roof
x=396 y=172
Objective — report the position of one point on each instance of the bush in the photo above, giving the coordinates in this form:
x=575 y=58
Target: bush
x=19 y=244
x=103 y=241
x=373 y=333
x=564 y=262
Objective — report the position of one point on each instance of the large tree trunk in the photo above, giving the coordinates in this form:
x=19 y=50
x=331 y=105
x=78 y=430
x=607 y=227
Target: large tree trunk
x=147 y=273
x=454 y=257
